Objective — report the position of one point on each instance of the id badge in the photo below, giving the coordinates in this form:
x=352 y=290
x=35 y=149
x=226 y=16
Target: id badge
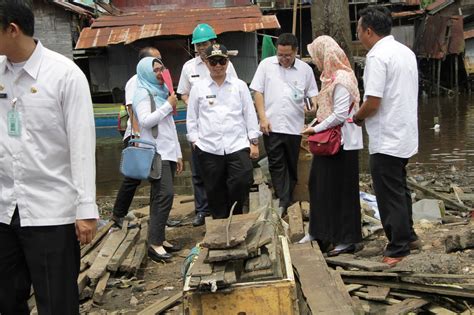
x=14 y=123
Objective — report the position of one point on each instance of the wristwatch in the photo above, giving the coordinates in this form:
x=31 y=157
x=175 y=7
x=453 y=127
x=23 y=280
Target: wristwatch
x=254 y=141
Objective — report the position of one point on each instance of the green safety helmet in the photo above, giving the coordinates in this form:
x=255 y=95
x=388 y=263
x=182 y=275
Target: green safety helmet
x=203 y=33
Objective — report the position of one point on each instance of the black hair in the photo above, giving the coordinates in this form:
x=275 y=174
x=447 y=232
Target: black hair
x=287 y=39
x=19 y=12
x=146 y=52
x=378 y=18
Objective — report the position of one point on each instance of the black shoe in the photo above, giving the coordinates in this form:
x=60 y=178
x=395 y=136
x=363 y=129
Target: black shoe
x=173 y=223
x=158 y=257
x=118 y=222
x=348 y=250
x=173 y=248
x=199 y=219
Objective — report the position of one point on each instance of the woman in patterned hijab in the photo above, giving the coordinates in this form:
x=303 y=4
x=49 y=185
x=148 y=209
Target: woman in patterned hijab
x=334 y=180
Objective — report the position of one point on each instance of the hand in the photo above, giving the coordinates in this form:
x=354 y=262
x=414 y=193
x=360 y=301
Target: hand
x=357 y=121
x=265 y=126
x=308 y=131
x=254 y=153
x=179 y=166
x=173 y=100
x=85 y=230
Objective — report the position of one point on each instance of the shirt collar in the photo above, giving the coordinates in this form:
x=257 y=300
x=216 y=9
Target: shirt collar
x=227 y=79
x=380 y=42
x=294 y=65
x=199 y=60
x=31 y=66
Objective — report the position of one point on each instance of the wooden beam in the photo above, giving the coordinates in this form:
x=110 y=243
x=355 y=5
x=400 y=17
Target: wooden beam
x=296 y=222
x=349 y=262
x=123 y=250
x=161 y=305
x=100 y=288
x=448 y=202
x=101 y=233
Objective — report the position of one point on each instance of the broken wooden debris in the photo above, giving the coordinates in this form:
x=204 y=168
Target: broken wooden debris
x=448 y=202
x=238 y=230
x=162 y=305
x=459 y=241
x=98 y=236
x=295 y=219
x=349 y=261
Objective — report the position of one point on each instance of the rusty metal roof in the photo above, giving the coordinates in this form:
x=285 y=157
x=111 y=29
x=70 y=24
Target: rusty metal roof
x=469 y=34
x=110 y=30
x=71 y=7
x=407 y=13
x=438 y=5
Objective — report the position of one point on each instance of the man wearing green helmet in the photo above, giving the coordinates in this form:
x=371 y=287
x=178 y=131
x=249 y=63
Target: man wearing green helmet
x=193 y=71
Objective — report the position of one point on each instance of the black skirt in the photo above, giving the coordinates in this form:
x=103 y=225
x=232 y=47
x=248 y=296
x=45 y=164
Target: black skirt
x=334 y=198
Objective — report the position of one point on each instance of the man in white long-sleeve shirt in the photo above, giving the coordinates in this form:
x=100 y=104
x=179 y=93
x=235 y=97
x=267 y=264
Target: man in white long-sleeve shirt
x=222 y=126
x=47 y=169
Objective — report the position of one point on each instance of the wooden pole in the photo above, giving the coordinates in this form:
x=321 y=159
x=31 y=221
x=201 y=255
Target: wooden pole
x=295 y=10
x=456 y=74
x=439 y=77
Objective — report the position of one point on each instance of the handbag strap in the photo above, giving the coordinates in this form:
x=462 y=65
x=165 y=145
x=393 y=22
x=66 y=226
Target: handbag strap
x=154 y=130
x=131 y=142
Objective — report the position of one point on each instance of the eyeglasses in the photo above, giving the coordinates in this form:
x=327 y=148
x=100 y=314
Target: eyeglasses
x=213 y=62
x=159 y=70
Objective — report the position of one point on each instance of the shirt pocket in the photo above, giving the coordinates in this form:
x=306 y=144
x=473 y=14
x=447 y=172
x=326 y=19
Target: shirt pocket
x=40 y=114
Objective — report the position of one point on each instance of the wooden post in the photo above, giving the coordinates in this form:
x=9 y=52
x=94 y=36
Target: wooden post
x=295 y=10
x=456 y=73
x=438 y=83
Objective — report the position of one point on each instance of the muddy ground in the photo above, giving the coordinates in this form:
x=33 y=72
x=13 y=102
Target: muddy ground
x=155 y=280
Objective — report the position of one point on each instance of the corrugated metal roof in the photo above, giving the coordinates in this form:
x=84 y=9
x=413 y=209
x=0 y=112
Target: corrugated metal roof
x=469 y=34
x=71 y=7
x=438 y=5
x=110 y=30
x=407 y=13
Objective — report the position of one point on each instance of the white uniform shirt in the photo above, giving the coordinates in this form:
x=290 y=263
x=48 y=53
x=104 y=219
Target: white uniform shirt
x=167 y=144
x=351 y=133
x=49 y=171
x=284 y=90
x=391 y=73
x=130 y=88
x=195 y=70
x=221 y=119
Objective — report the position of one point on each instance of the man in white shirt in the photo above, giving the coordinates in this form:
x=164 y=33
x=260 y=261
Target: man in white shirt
x=129 y=185
x=193 y=71
x=222 y=127
x=47 y=169
x=391 y=119
x=281 y=83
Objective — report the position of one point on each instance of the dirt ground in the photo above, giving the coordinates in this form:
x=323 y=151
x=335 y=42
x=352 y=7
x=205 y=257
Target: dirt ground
x=156 y=280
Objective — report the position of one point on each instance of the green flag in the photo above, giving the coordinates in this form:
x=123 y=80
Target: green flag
x=268 y=49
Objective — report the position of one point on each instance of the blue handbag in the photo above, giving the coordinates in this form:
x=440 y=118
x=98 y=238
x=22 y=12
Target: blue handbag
x=137 y=162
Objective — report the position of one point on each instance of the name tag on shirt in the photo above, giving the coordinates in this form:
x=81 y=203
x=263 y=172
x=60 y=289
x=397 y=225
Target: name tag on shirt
x=3 y=95
x=210 y=99
x=194 y=75
x=210 y=96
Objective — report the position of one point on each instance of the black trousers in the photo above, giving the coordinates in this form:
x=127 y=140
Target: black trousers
x=161 y=202
x=47 y=257
x=126 y=192
x=227 y=179
x=394 y=202
x=200 y=198
x=283 y=151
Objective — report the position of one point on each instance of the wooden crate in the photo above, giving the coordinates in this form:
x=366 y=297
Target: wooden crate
x=251 y=298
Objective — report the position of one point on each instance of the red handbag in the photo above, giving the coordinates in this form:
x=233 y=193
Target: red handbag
x=327 y=142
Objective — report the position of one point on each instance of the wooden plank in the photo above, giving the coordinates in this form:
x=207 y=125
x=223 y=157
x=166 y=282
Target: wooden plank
x=349 y=262
x=229 y=276
x=199 y=267
x=100 y=288
x=82 y=281
x=258 y=263
x=353 y=287
x=449 y=202
x=376 y=293
x=125 y=266
x=253 y=237
x=414 y=287
x=162 y=305
x=215 y=237
x=238 y=252
x=356 y=306
x=295 y=218
x=321 y=291
x=141 y=249
x=99 y=266
x=366 y=296
x=406 y=306
x=377 y=274
x=98 y=236
x=123 y=250
x=268 y=234
x=92 y=255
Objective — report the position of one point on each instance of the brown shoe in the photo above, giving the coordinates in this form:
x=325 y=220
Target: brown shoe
x=415 y=245
x=392 y=261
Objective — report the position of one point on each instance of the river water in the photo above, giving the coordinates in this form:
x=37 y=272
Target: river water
x=451 y=145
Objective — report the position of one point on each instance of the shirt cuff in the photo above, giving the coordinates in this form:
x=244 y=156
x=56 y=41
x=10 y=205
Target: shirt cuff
x=167 y=108
x=87 y=211
x=254 y=134
x=192 y=137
